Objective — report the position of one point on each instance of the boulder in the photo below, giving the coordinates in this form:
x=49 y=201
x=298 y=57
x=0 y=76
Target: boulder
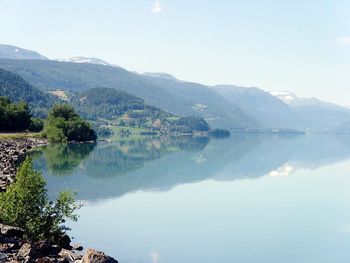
x=69 y=255
x=64 y=242
x=45 y=260
x=26 y=251
x=3 y=257
x=93 y=256
x=38 y=249
x=77 y=247
x=10 y=231
x=44 y=248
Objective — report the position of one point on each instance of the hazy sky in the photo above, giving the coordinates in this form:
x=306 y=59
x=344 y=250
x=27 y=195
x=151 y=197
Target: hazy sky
x=297 y=45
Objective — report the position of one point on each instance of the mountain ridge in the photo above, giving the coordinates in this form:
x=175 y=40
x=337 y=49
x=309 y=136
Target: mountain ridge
x=13 y=52
x=224 y=106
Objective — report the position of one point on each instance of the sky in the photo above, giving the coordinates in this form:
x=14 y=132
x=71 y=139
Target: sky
x=301 y=46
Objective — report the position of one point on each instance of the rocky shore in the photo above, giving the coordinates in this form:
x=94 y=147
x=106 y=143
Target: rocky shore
x=15 y=249
x=13 y=246
x=11 y=153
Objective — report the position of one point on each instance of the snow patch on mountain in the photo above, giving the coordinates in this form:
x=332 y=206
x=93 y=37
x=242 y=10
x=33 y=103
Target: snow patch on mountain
x=161 y=75
x=286 y=96
x=86 y=60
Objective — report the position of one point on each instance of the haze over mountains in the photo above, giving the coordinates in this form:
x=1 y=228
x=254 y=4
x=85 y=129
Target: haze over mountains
x=222 y=106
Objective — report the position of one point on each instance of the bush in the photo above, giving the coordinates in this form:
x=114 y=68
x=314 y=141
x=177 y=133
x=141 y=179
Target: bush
x=64 y=125
x=13 y=116
x=36 y=125
x=193 y=123
x=25 y=204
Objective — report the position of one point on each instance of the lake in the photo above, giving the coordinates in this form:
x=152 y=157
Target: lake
x=246 y=199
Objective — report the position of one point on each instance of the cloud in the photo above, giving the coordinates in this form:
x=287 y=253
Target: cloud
x=344 y=40
x=283 y=170
x=157 y=7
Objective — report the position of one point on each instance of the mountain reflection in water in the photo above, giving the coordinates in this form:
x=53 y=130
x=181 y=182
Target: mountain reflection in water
x=108 y=170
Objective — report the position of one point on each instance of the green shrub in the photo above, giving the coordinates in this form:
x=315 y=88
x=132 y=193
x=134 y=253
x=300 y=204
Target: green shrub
x=36 y=125
x=192 y=123
x=64 y=125
x=55 y=134
x=25 y=204
x=13 y=116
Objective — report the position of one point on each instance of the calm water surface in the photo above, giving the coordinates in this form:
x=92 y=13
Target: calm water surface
x=244 y=199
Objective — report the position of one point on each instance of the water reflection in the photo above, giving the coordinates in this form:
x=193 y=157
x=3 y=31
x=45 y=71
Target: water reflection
x=62 y=159
x=110 y=170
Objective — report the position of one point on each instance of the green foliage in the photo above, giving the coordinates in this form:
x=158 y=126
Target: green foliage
x=193 y=124
x=63 y=124
x=220 y=133
x=130 y=111
x=13 y=116
x=36 y=125
x=17 y=89
x=25 y=204
x=110 y=103
x=105 y=103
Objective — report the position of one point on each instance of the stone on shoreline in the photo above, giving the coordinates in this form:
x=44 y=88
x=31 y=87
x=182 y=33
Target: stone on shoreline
x=11 y=154
x=93 y=256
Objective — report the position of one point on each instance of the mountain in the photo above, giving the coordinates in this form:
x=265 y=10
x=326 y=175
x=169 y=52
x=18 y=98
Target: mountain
x=285 y=96
x=12 y=52
x=222 y=106
x=124 y=109
x=17 y=89
x=261 y=105
x=314 y=113
x=86 y=60
x=161 y=75
x=201 y=100
x=177 y=97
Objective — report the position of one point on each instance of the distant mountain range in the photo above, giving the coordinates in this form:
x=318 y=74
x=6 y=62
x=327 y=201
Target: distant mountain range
x=222 y=106
x=12 y=52
x=259 y=104
x=96 y=61
x=314 y=113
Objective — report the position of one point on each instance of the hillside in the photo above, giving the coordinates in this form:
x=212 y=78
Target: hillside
x=200 y=100
x=267 y=109
x=314 y=113
x=17 y=89
x=108 y=105
x=12 y=52
x=181 y=98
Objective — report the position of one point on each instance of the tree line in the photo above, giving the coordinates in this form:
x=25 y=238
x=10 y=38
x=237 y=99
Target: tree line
x=62 y=124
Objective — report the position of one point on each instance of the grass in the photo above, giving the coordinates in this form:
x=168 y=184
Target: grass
x=19 y=135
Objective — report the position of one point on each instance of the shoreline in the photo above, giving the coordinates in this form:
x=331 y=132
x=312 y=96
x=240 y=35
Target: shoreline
x=13 y=247
x=12 y=151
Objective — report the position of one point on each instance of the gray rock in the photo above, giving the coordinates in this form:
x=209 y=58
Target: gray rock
x=77 y=247
x=10 y=231
x=3 y=257
x=93 y=256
